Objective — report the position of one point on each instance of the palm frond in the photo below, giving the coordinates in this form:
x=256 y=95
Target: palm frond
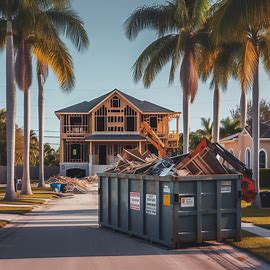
x=159 y=17
x=166 y=43
x=68 y=22
x=231 y=17
x=199 y=13
x=56 y=55
x=247 y=65
x=264 y=46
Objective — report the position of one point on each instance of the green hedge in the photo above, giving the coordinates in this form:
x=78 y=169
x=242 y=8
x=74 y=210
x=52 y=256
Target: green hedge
x=265 y=178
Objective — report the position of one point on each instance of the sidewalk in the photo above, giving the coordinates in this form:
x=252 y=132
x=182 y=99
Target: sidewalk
x=249 y=227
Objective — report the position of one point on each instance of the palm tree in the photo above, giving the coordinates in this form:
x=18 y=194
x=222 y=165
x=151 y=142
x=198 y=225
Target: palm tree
x=10 y=194
x=220 y=62
x=229 y=127
x=247 y=21
x=178 y=26
x=207 y=128
x=40 y=37
x=68 y=22
x=9 y=10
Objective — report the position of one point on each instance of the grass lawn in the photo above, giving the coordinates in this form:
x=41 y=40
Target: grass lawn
x=3 y=223
x=258 y=246
x=260 y=217
x=38 y=197
x=15 y=210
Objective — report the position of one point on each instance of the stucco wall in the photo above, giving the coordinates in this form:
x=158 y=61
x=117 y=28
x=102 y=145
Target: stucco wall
x=244 y=142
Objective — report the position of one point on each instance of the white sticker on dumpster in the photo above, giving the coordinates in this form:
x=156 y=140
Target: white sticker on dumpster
x=135 y=201
x=151 y=204
x=187 y=202
x=226 y=187
x=166 y=189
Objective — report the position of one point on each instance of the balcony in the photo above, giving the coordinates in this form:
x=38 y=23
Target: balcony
x=75 y=129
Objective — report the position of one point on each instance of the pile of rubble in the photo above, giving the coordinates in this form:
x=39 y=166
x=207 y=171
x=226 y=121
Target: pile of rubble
x=73 y=185
x=204 y=160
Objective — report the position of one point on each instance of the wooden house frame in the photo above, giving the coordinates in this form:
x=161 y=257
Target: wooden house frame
x=93 y=133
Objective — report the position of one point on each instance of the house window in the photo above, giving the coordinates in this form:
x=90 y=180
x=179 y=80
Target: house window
x=130 y=119
x=231 y=152
x=101 y=119
x=153 y=122
x=262 y=159
x=115 y=102
x=248 y=158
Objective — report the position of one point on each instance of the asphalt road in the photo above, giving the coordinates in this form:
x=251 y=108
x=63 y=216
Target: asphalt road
x=65 y=236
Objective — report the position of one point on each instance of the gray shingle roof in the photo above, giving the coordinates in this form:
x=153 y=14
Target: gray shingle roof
x=116 y=137
x=264 y=131
x=86 y=106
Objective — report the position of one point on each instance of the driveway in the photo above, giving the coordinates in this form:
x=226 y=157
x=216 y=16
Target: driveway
x=64 y=235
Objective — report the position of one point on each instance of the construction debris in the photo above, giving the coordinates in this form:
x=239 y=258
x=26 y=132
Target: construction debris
x=206 y=159
x=73 y=185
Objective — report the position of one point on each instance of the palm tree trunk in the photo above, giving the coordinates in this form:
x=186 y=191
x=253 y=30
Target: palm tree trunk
x=26 y=184
x=41 y=130
x=256 y=131
x=186 y=109
x=243 y=109
x=216 y=120
x=11 y=113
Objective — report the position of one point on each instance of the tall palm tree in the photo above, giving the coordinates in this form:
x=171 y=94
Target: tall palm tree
x=9 y=10
x=177 y=24
x=42 y=74
x=247 y=21
x=68 y=22
x=31 y=38
x=220 y=62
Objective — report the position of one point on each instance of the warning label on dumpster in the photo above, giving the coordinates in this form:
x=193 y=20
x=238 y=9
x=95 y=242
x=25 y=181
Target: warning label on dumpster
x=187 y=202
x=226 y=187
x=151 y=204
x=166 y=189
x=167 y=200
x=135 y=201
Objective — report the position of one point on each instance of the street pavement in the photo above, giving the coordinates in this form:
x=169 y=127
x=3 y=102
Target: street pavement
x=65 y=235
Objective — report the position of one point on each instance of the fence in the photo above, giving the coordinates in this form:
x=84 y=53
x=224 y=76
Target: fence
x=48 y=171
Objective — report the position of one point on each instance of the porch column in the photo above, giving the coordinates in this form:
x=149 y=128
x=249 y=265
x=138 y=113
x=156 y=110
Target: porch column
x=140 y=147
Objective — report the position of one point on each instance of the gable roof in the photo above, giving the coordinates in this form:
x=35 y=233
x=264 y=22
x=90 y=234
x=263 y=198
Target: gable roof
x=87 y=106
x=264 y=131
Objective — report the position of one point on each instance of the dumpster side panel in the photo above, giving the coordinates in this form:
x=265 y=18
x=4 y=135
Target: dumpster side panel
x=123 y=203
x=229 y=201
x=151 y=211
x=166 y=200
x=186 y=211
x=104 y=199
x=113 y=185
x=135 y=207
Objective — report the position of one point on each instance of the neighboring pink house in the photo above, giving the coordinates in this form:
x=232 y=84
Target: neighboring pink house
x=240 y=145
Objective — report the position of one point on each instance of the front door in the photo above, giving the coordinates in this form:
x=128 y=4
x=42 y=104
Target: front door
x=102 y=151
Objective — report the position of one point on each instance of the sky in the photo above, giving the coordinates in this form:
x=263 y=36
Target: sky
x=107 y=65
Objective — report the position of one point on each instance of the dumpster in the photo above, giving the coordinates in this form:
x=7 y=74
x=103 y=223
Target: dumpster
x=171 y=210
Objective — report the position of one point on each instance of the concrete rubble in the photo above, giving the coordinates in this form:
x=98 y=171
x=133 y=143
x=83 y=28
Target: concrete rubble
x=74 y=185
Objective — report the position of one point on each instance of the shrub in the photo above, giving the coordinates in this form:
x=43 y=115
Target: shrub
x=265 y=178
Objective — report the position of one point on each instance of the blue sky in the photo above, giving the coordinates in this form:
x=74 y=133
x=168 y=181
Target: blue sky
x=107 y=65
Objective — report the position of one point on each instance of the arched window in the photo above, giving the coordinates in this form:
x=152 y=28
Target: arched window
x=262 y=159
x=248 y=158
x=231 y=152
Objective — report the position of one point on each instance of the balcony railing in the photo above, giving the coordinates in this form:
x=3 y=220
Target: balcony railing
x=173 y=136
x=80 y=129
